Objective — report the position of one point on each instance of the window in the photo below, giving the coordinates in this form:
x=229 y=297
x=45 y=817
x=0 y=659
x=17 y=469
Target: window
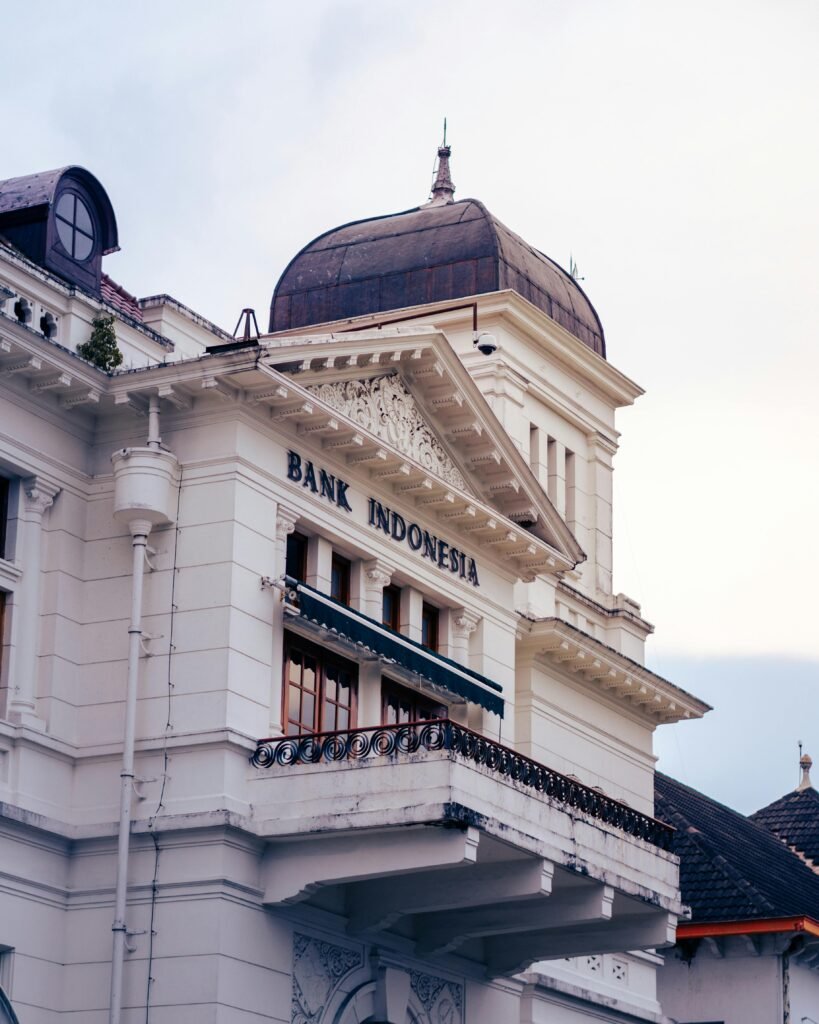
x=391 y=607
x=429 y=626
x=320 y=689
x=4 y=515
x=296 y=561
x=75 y=229
x=400 y=705
x=340 y=579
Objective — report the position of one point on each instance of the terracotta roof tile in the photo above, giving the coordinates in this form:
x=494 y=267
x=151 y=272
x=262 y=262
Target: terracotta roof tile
x=115 y=295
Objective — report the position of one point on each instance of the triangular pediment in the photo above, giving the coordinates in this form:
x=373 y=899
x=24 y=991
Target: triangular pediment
x=409 y=390
x=386 y=407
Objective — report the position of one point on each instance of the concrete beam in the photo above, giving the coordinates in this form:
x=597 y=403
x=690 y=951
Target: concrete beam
x=445 y=931
x=512 y=954
x=293 y=871
x=378 y=905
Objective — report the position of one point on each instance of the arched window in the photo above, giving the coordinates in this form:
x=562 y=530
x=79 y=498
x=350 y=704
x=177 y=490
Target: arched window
x=75 y=228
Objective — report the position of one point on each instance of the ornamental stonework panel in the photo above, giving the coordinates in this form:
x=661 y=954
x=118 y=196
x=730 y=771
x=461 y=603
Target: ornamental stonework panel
x=318 y=967
x=441 y=999
x=385 y=407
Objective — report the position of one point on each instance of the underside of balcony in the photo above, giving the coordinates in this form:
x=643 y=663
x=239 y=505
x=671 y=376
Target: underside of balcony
x=444 y=838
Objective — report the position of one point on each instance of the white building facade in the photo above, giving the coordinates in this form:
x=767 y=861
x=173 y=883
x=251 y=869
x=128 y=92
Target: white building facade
x=314 y=683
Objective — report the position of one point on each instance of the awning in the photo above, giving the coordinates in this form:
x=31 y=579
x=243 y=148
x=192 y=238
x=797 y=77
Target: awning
x=360 y=631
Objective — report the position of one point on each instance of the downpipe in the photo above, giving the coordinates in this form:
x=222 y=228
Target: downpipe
x=140 y=529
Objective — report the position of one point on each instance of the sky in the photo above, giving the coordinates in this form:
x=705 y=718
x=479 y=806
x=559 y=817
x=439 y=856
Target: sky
x=670 y=148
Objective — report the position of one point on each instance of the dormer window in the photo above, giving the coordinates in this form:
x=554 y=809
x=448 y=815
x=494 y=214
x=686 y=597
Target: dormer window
x=75 y=229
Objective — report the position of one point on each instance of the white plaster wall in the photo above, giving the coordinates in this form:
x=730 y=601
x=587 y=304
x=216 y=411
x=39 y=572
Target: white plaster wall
x=734 y=990
x=562 y=724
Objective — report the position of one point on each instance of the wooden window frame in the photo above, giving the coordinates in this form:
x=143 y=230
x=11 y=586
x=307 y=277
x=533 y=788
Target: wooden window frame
x=293 y=539
x=424 y=708
x=323 y=659
x=341 y=565
x=395 y=593
x=431 y=614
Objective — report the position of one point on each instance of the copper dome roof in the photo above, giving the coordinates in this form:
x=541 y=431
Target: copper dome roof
x=433 y=253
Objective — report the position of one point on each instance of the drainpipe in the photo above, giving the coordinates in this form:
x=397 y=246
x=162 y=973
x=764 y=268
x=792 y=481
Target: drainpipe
x=143 y=498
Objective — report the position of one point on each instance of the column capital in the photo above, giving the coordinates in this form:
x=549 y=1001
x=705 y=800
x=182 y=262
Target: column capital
x=286 y=521
x=464 y=622
x=378 y=573
x=38 y=495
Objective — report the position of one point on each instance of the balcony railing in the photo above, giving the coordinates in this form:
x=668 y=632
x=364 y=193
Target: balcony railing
x=443 y=734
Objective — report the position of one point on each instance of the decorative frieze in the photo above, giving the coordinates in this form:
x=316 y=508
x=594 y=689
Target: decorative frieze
x=441 y=999
x=318 y=967
x=385 y=407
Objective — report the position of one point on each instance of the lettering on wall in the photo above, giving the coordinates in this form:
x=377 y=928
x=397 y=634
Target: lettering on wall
x=325 y=484
x=443 y=554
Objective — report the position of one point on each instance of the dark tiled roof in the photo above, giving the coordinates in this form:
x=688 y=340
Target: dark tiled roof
x=428 y=254
x=732 y=869
x=794 y=818
x=115 y=295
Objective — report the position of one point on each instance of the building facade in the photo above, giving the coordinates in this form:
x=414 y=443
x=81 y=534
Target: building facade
x=317 y=702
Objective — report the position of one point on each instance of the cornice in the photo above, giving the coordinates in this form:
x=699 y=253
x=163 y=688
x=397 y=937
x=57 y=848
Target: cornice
x=603 y=668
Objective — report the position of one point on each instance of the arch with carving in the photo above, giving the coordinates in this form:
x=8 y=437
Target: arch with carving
x=358 y=1007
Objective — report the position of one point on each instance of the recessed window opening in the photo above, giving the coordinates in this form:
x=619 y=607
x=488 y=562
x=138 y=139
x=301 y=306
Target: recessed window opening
x=4 y=515
x=296 y=560
x=340 y=579
x=429 y=626
x=400 y=705
x=570 y=486
x=391 y=607
x=48 y=325
x=75 y=228
x=22 y=310
x=551 y=470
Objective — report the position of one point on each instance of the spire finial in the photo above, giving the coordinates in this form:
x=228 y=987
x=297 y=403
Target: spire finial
x=805 y=763
x=443 y=188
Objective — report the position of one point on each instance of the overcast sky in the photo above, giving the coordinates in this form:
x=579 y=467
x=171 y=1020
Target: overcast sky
x=670 y=147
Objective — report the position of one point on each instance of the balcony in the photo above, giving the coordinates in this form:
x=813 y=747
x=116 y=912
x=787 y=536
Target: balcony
x=440 y=836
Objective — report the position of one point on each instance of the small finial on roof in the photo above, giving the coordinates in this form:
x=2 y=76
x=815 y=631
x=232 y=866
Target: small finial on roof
x=805 y=763
x=443 y=188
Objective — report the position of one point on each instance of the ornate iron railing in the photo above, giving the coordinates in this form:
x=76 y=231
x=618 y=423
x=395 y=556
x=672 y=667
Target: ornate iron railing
x=443 y=734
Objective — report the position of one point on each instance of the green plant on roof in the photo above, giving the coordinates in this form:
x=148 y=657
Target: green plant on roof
x=101 y=348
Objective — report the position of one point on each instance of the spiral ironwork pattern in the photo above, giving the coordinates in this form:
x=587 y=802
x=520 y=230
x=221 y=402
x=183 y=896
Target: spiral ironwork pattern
x=442 y=734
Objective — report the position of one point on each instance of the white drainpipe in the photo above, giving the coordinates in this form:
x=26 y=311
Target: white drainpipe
x=143 y=497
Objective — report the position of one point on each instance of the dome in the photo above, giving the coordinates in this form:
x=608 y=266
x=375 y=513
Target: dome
x=442 y=251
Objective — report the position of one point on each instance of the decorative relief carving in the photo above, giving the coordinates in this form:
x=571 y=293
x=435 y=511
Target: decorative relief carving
x=441 y=999
x=317 y=968
x=464 y=623
x=39 y=496
x=385 y=407
x=378 y=574
x=285 y=522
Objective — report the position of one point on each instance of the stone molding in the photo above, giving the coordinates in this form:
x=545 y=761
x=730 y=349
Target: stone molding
x=38 y=496
x=286 y=521
x=378 y=574
x=464 y=623
x=385 y=407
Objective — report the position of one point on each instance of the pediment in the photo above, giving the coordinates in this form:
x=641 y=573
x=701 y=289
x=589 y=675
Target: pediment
x=386 y=407
x=409 y=390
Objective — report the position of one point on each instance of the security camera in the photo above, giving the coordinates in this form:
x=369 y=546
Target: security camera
x=485 y=343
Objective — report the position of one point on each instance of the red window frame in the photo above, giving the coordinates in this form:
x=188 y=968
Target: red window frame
x=400 y=705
